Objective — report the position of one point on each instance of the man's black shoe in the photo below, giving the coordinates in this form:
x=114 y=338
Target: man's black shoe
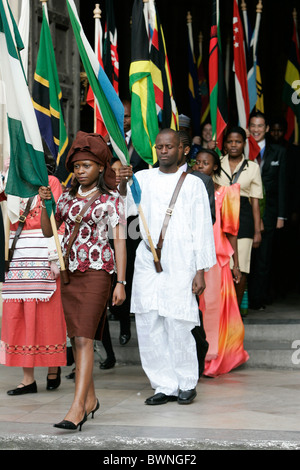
x=160 y=399
x=123 y=339
x=109 y=363
x=186 y=396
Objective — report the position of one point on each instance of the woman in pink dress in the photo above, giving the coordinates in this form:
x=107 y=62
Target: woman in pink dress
x=33 y=325
x=221 y=315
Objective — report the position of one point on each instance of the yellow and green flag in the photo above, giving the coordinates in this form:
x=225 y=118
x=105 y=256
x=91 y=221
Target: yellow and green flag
x=144 y=122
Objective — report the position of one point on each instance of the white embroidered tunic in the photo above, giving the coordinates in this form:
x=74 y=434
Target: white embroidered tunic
x=188 y=245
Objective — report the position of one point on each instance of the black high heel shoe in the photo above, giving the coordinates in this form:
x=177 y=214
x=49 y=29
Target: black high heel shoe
x=68 y=425
x=52 y=384
x=95 y=409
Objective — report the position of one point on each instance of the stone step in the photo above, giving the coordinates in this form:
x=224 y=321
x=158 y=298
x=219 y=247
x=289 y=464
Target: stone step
x=269 y=345
x=282 y=332
x=270 y=356
x=273 y=344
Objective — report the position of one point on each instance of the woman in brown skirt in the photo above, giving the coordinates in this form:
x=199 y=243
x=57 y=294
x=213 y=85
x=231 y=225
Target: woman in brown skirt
x=90 y=260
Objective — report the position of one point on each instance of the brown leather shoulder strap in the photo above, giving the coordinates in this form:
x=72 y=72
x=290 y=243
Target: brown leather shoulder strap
x=169 y=212
x=22 y=220
x=78 y=221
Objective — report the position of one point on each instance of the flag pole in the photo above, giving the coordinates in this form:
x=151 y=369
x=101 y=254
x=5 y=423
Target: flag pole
x=259 y=8
x=46 y=9
x=189 y=21
x=153 y=250
x=97 y=15
x=244 y=10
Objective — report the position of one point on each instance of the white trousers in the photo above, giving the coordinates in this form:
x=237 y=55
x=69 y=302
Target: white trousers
x=168 y=352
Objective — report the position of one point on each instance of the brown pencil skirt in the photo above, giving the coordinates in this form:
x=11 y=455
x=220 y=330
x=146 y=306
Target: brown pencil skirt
x=85 y=301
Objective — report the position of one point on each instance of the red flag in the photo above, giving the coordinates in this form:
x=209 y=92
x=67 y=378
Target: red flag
x=110 y=53
x=217 y=87
x=240 y=68
x=254 y=148
x=99 y=125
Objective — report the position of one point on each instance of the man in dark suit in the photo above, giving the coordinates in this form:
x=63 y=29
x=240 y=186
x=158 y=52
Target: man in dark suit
x=272 y=161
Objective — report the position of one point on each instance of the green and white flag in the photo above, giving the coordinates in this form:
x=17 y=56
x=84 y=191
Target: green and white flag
x=27 y=168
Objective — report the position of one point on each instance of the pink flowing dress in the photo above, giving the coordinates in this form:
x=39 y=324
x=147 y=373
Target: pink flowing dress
x=33 y=330
x=221 y=315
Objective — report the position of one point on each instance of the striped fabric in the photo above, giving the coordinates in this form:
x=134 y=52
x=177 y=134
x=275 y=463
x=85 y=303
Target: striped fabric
x=29 y=274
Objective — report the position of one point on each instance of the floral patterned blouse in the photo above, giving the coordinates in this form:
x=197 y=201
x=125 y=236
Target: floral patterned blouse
x=91 y=248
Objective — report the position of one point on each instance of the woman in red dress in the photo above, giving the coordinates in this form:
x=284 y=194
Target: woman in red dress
x=33 y=325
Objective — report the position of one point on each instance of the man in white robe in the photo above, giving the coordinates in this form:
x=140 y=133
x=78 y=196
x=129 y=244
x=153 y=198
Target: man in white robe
x=165 y=303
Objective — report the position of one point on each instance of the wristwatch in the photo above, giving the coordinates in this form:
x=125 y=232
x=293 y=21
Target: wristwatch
x=122 y=282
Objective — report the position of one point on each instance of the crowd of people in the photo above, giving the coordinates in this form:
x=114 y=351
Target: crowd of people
x=180 y=264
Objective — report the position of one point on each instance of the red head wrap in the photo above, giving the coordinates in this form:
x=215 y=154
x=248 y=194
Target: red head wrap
x=90 y=146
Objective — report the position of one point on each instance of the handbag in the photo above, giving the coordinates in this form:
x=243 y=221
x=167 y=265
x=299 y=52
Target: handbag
x=78 y=221
x=22 y=220
x=166 y=221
